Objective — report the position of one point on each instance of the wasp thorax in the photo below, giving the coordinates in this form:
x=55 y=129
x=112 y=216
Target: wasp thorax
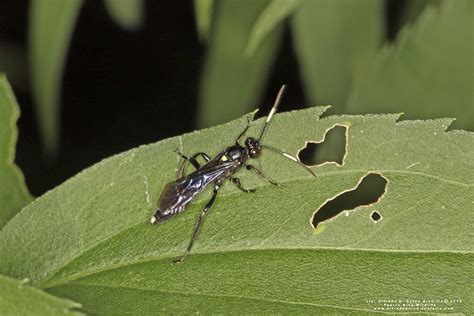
x=253 y=146
x=234 y=153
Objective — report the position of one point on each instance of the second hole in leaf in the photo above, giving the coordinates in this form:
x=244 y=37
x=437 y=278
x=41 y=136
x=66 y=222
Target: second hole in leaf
x=369 y=191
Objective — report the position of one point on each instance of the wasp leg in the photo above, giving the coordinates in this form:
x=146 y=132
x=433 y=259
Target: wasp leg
x=197 y=227
x=203 y=155
x=258 y=172
x=192 y=160
x=236 y=181
x=243 y=132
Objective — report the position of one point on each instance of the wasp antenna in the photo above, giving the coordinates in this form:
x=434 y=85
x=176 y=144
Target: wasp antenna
x=284 y=154
x=273 y=110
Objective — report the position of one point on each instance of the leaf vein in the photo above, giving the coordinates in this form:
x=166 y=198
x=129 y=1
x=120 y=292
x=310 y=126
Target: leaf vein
x=262 y=299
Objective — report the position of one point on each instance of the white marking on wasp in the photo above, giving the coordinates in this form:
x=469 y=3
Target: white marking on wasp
x=413 y=164
x=290 y=157
x=269 y=117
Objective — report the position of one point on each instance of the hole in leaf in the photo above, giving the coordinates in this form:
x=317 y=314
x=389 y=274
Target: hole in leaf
x=370 y=190
x=331 y=149
x=375 y=216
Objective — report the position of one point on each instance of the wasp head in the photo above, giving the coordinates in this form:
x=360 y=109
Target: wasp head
x=253 y=146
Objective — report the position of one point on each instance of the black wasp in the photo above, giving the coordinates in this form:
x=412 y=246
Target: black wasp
x=178 y=194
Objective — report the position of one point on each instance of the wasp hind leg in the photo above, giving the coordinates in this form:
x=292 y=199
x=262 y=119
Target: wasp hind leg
x=197 y=227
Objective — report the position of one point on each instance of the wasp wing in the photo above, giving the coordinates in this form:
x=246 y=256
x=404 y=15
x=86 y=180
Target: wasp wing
x=178 y=194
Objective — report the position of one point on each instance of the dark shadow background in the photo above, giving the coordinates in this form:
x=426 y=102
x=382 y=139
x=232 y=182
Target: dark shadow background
x=124 y=89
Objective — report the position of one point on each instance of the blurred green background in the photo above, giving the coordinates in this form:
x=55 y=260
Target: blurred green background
x=95 y=78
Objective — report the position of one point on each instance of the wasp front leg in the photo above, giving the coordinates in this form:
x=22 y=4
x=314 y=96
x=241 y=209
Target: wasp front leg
x=243 y=132
x=236 y=181
x=259 y=173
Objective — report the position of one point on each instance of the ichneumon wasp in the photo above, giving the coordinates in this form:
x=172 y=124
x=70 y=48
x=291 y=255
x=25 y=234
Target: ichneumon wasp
x=178 y=194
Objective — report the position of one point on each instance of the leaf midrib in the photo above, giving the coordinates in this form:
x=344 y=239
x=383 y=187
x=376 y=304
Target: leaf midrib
x=46 y=284
x=221 y=295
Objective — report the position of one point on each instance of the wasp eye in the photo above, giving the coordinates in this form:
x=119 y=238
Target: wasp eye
x=254 y=153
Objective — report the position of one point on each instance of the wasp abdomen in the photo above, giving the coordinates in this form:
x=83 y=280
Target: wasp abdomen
x=159 y=217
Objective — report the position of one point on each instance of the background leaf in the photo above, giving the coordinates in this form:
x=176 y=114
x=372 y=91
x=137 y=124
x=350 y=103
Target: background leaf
x=50 y=30
x=13 y=64
x=274 y=13
x=129 y=14
x=414 y=9
x=259 y=252
x=334 y=41
x=203 y=12
x=428 y=72
x=232 y=82
x=17 y=298
x=13 y=192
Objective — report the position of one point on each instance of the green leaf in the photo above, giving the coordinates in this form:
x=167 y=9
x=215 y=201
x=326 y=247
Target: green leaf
x=428 y=71
x=90 y=239
x=13 y=192
x=274 y=14
x=17 y=298
x=129 y=14
x=50 y=31
x=203 y=11
x=413 y=9
x=13 y=64
x=333 y=41
x=232 y=82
